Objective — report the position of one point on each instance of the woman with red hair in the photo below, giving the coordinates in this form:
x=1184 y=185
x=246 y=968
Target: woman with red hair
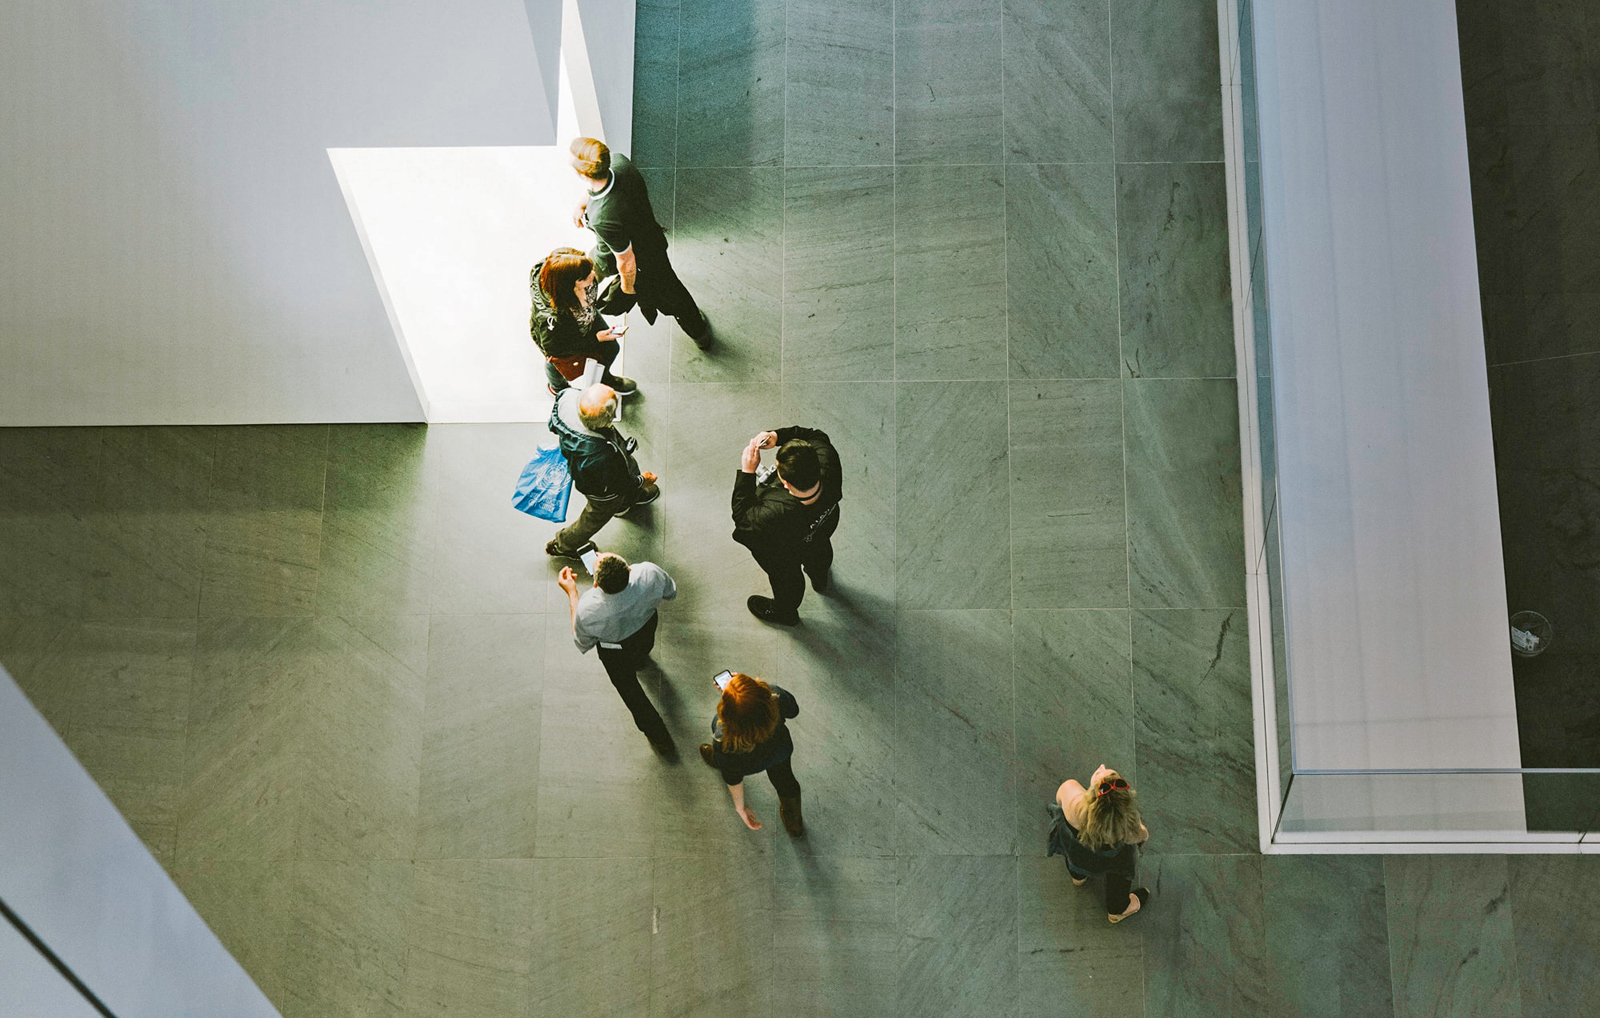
x=749 y=736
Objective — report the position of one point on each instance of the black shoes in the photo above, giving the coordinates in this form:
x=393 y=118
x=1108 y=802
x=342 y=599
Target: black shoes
x=665 y=748
x=765 y=609
x=698 y=330
x=651 y=494
x=554 y=550
x=789 y=813
x=820 y=584
x=624 y=386
x=705 y=753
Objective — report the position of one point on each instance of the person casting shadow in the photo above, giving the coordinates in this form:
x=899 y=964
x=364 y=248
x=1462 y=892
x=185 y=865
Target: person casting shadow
x=748 y=736
x=1098 y=829
x=566 y=322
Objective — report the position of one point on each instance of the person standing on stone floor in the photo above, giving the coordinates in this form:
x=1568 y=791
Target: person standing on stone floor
x=618 y=615
x=601 y=462
x=749 y=735
x=787 y=517
x=1098 y=829
x=566 y=322
x=629 y=242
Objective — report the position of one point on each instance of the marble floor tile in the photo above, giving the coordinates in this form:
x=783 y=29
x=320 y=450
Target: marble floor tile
x=1172 y=241
x=1070 y=960
x=947 y=92
x=838 y=274
x=863 y=433
x=1057 y=81
x=249 y=906
x=468 y=943
x=1074 y=693
x=1452 y=946
x=260 y=562
x=1185 y=535
x=1193 y=737
x=347 y=939
x=151 y=808
x=1556 y=181
x=361 y=754
x=712 y=952
x=958 y=935
x=728 y=250
x=655 y=60
x=47 y=492
x=1203 y=935
x=731 y=84
x=1069 y=520
x=486 y=556
x=709 y=428
x=1548 y=68
x=841 y=668
x=924 y=13
x=951 y=547
x=246 y=738
x=376 y=524
x=1164 y=65
x=953 y=749
x=835 y=931
x=1520 y=327
x=147 y=532
x=595 y=920
x=839 y=90
x=949 y=273
x=1553 y=902
x=1327 y=936
x=478 y=797
x=1061 y=272
x=33 y=653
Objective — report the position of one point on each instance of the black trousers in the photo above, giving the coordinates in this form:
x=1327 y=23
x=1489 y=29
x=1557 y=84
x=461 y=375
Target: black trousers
x=783 y=779
x=605 y=353
x=658 y=288
x=784 y=572
x=622 y=666
x=1119 y=876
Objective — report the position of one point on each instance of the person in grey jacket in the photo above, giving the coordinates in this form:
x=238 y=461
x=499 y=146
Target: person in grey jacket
x=601 y=462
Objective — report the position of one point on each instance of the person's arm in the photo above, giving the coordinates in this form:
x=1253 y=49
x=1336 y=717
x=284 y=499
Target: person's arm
x=669 y=586
x=749 y=818
x=627 y=268
x=788 y=706
x=1070 y=797
x=568 y=581
x=793 y=432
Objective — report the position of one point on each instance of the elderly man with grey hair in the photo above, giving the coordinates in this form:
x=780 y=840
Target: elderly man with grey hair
x=601 y=462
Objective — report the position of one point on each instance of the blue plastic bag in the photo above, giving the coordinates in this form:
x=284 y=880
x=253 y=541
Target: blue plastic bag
x=545 y=486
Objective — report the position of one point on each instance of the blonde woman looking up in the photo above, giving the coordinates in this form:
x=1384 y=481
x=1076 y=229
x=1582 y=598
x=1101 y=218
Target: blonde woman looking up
x=1098 y=830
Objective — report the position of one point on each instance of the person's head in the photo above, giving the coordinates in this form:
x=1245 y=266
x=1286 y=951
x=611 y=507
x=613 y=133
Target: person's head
x=565 y=277
x=597 y=406
x=1110 y=816
x=591 y=159
x=798 y=467
x=748 y=712
x=611 y=573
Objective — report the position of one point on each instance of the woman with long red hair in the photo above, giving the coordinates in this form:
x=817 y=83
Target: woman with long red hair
x=749 y=736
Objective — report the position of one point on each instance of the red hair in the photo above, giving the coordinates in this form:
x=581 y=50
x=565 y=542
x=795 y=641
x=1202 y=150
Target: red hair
x=748 y=711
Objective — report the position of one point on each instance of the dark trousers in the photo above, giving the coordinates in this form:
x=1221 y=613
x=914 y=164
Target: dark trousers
x=622 y=666
x=605 y=353
x=783 y=779
x=577 y=533
x=658 y=288
x=784 y=572
x=1119 y=878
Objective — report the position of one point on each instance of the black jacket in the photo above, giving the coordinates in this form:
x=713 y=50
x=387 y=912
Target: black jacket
x=601 y=462
x=560 y=333
x=778 y=747
x=770 y=521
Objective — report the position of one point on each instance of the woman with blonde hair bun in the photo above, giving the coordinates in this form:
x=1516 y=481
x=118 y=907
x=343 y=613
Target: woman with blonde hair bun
x=1098 y=829
x=749 y=736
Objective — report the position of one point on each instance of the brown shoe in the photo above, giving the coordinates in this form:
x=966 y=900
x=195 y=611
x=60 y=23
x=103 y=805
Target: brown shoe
x=705 y=753
x=789 y=811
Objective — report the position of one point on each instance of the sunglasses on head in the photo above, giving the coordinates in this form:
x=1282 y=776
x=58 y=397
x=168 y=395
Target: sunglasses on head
x=1106 y=786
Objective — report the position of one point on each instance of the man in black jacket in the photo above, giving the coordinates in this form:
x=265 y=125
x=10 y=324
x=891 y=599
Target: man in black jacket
x=601 y=462
x=629 y=242
x=787 y=518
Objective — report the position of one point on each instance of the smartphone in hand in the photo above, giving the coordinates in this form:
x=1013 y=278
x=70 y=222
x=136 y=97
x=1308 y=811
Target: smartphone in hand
x=722 y=679
x=589 y=559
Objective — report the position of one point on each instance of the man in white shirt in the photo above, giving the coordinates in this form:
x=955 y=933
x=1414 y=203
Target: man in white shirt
x=618 y=615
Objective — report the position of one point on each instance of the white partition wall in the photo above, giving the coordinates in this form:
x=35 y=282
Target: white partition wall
x=74 y=872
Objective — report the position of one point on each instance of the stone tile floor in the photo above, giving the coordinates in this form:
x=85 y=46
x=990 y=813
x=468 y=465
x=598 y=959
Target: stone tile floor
x=325 y=672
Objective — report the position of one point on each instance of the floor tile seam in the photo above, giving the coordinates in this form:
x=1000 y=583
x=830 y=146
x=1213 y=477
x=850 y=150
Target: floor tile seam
x=1544 y=360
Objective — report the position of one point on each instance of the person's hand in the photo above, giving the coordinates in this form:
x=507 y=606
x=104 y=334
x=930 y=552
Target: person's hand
x=751 y=457
x=749 y=818
x=608 y=336
x=769 y=439
x=568 y=580
x=579 y=212
x=648 y=477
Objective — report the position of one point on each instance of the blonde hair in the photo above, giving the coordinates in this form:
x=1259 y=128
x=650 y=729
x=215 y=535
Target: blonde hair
x=1110 y=820
x=748 y=711
x=590 y=157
